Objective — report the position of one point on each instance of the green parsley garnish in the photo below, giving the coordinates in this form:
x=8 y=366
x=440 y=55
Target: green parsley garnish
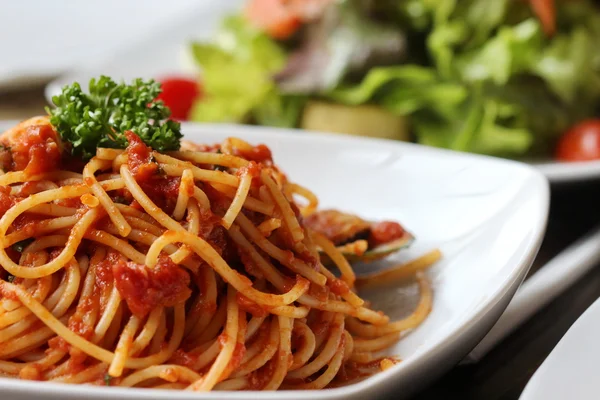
x=101 y=117
x=107 y=379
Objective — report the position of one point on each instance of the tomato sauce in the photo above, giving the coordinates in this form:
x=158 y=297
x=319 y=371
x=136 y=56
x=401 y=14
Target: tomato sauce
x=219 y=203
x=105 y=278
x=76 y=321
x=321 y=293
x=259 y=378
x=259 y=153
x=252 y=169
x=36 y=151
x=320 y=327
x=58 y=343
x=181 y=357
x=6 y=200
x=26 y=222
x=338 y=286
x=139 y=158
x=352 y=370
x=204 y=304
x=249 y=264
x=146 y=288
x=5 y=159
x=72 y=202
x=236 y=359
x=385 y=232
x=251 y=307
x=162 y=189
x=8 y=294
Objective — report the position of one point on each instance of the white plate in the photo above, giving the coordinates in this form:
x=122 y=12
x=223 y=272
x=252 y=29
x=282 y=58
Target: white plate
x=486 y=215
x=159 y=53
x=571 y=370
x=560 y=172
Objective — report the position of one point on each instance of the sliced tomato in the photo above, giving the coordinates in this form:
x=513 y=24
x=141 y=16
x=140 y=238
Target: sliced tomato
x=308 y=10
x=546 y=12
x=179 y=94
x=274 y=17
x=282 y=18
x=580 y=143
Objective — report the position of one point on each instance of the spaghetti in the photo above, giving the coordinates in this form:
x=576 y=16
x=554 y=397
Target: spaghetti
x=183 y=270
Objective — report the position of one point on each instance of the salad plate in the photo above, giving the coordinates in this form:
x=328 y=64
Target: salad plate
x=570 y=371
x=488 y=227
x=166 y=52
x=562 y=172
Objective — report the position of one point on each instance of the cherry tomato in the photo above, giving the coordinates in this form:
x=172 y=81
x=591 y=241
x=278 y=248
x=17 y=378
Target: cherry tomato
x=580 y=143
x=179 y=94
x=274 y=17
x=546 y=12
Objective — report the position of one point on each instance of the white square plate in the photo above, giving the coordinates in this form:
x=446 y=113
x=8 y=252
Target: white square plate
x=486 y=215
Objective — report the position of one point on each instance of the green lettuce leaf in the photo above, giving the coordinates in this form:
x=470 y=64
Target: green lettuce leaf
x=403 y=90
x=486 y=126
x=524 y=88
x=513 y=50
x=279 y=110
x=237 y=69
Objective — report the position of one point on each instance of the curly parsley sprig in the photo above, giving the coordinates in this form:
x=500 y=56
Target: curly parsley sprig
x=100 y=118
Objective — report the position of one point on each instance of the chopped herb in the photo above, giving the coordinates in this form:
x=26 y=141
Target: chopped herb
x=107 y=379
x=10 y=278
x=20 y=246
x=120 y=200
x=101 y=118
x=219 y=167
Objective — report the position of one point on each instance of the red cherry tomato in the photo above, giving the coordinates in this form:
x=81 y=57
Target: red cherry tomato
x=179 y=94
x=385 y=232
x=580 y=143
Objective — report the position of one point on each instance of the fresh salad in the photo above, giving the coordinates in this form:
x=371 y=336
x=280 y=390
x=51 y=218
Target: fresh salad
x=512 y=78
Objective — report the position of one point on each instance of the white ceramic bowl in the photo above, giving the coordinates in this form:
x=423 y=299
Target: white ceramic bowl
x=486 y=215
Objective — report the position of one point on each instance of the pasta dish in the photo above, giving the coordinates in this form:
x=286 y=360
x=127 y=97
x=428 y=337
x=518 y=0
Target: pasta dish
x=133 y=262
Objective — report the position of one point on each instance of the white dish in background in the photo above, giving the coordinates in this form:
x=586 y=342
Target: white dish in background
x=571 y=369
x=558 y=172
x=486 y=215
x=48 y=38
x=160 y=52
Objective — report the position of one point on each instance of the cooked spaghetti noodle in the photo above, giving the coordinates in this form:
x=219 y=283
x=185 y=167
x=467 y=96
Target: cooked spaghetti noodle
x=185 y=270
